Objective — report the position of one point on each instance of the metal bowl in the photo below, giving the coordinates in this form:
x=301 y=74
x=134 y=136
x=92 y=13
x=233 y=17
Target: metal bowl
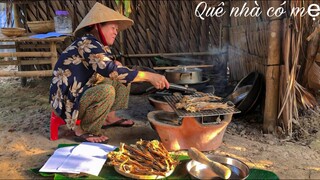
x=159 y=103
x=200 y=171
x=239 y=94
x=253 y=97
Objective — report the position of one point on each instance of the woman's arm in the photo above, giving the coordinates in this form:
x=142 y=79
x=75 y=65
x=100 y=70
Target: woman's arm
x=157 y=80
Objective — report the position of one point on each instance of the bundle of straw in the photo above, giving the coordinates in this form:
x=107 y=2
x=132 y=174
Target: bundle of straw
x=305 y=98
x=292 y=92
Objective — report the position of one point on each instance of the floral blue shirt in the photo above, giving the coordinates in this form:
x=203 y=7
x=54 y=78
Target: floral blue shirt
x=78 y=68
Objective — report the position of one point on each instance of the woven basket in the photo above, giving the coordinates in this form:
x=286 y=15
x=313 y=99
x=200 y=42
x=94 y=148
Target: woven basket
x=40 y=27
x=11 y=32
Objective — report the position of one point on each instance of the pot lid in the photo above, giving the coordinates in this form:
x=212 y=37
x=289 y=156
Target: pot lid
x=184 y=69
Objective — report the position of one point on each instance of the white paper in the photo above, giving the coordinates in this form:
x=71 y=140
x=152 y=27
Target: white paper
x=57 y=159
x=87 y=158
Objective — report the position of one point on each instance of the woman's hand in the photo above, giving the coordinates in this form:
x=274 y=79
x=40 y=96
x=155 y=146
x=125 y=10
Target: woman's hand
x=157 y=80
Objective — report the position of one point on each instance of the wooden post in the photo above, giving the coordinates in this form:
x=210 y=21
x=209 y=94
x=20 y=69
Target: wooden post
x=272 y=73
x=17 y=23
x=54 y=54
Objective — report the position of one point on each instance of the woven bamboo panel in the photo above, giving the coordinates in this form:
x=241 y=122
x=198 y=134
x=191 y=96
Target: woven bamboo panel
x=243 y=63
x=160 y=26
x=248 y=41
x=172 y=27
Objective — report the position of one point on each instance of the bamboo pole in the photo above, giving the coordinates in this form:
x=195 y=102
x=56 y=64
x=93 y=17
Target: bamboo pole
x=26 y=54
x=28 y=39
x=272 y=73
x=176 y=54
x=25 y=62
x=175 y=67
x=43 y=73
x=29 y=46
x=122 y=60
x=16 y=16
x=286 y=115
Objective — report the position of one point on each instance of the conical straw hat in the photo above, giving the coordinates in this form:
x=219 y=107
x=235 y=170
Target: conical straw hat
x=100 y=13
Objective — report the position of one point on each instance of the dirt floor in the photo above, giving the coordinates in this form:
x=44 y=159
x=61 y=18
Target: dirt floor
x=25 y=144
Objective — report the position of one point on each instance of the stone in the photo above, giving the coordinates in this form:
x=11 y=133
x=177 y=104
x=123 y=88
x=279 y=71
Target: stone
x=315 y=144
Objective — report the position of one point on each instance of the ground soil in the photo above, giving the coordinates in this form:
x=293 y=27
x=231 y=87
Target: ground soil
x=25 y=144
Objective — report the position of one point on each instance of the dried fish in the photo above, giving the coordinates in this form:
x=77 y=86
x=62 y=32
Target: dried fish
x=143 y=158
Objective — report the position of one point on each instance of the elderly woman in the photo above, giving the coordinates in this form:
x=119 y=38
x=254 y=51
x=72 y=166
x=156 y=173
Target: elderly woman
x=88 y=83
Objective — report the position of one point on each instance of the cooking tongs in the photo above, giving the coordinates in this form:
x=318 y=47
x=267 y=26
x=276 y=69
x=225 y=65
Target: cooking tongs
x=182 y=88
x=175 y=87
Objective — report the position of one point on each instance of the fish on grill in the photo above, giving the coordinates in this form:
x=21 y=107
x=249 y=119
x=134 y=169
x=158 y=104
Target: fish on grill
x=202 y=106
x=205 y=98
x=201 y=103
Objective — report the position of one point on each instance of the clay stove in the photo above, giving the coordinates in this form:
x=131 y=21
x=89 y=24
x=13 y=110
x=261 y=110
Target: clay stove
x=181 y=129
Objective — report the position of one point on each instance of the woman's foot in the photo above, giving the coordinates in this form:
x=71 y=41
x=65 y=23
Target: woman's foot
x=114 y=120
x=82 y=136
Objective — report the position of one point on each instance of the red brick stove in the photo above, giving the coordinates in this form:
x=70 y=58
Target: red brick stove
x=191 y=132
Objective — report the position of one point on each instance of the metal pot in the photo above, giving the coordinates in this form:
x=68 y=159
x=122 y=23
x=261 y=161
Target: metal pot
x=183 y=75
x=200 y=86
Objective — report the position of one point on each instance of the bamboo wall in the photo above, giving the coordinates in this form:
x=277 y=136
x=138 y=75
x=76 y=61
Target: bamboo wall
x=248 y=41
x=171 y=27
x=160 y=26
